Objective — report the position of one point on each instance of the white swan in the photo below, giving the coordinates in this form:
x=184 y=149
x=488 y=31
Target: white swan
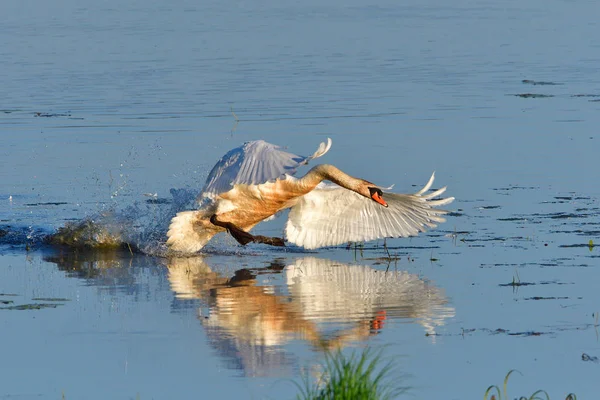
x=254 y=182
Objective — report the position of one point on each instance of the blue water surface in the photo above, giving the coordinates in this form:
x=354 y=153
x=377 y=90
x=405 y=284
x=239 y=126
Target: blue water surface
x=107 y=105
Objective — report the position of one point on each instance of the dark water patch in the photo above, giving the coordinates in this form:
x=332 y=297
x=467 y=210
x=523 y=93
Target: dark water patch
x=455 y=214
x=51 y=115
x=513 y=219
x=380 y=247
x=566 y=246
x=517 y=283
x=583 y=209
x=32 y=306
x=541 y=83
x=533 y=95
x=556 y=283
x=496 y=239
x=489 y=207
x=560 y=215
x=516 y=187
x=6 y=302
x=578 y=232
x=585 y=95
x=8 y=294
x=502 y=331
x=59 y=299
x=499 y=265
x=546 y=298
x=50 y=203
x=563 y=197
x=498 y=331
x=527 y=333
x=159 y=201
x=594 y=101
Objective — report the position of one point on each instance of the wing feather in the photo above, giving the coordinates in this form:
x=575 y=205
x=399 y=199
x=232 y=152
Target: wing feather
x=254 y=163
x=331 y=215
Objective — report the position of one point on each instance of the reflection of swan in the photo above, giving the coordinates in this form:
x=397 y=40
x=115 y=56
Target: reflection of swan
x=251 y=313
x=328 y=290
x=248 y=323
x=254 y=182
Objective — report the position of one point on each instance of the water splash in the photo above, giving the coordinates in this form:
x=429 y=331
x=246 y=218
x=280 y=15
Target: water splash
x=139 y=227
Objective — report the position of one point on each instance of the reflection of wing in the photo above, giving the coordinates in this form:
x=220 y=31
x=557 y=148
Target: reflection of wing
x=331 y=215
x=330 y=291
x=254 y=163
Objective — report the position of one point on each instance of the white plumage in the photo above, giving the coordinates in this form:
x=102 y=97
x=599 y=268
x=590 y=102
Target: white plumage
x=254 y=182
x=331 y=215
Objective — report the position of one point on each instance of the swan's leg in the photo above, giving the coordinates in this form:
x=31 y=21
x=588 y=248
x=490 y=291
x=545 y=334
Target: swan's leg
x=238 y=234
x=244 y=237
x=273 y=241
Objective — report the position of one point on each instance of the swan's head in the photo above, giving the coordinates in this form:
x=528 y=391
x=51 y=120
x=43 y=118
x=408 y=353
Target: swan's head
x=376 y=195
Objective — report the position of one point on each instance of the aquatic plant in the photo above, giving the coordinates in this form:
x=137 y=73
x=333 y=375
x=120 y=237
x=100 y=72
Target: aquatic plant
x=357 y=376
x=537 y=395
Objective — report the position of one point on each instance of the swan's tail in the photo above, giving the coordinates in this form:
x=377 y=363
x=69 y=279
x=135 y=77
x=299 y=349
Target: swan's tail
x=187 y=232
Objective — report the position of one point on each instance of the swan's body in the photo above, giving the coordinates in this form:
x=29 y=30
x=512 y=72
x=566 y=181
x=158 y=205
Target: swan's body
x=254 y=182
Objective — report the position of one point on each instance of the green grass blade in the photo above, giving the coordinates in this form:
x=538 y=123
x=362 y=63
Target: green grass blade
x=485 y=396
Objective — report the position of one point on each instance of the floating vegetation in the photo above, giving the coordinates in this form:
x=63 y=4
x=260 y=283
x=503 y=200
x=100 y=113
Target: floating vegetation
x=516 y=283
x=159 y=201
x=587 y=357
x=533 y=95
x=577 y=245
x=512 y=219
x=545 y=298
x=51 y=115
x=537 y=395
x=498 y=331
x=50 y=203
x=515 y=187
x=50 y=299
x=532 y=82
x=32 y=306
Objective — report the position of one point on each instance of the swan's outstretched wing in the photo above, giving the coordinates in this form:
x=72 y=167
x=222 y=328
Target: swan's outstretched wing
x=254 y=163
x=331 y=215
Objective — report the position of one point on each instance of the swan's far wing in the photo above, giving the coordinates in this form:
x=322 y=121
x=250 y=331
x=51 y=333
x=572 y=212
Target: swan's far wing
x=331 y=215
x=254 y=163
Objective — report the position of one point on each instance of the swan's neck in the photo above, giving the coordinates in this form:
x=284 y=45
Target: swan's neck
x=325 y=172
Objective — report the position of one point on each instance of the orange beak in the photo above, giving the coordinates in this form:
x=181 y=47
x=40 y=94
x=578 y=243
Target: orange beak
x=379 y=199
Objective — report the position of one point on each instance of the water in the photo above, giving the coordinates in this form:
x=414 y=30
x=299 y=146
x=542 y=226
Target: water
x=106 y=104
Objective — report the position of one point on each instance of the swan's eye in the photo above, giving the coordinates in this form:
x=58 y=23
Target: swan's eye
x=377 y=195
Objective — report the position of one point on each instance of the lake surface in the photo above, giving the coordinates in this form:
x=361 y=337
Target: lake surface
x=107 y=106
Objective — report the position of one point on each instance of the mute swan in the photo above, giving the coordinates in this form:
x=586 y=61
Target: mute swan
x=253 y=182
